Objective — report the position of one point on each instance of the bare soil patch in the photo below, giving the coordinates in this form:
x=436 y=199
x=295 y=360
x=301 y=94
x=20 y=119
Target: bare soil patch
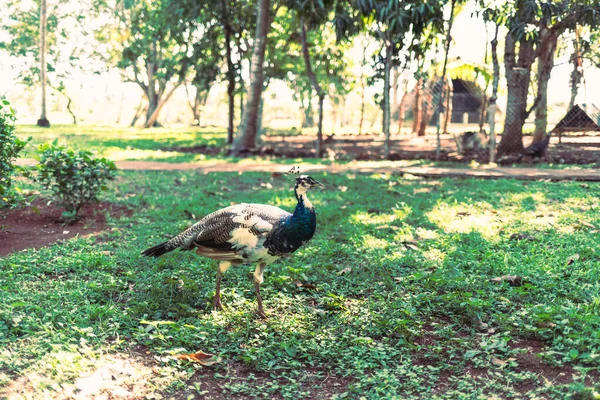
x=573 y=150
x=315 y=384
x=39 y=224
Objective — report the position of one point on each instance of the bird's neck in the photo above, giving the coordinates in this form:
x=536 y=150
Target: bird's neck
x=304 y=218
x=303 y=201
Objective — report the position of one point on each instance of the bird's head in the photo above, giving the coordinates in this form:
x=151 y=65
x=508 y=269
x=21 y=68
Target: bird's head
x=305 y=182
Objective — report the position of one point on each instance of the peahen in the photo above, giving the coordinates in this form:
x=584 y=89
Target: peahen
x=248 y=233
x=536 y=150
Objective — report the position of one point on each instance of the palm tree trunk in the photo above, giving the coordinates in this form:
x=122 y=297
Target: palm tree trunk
x=246 y=137
x=315 y=83
x=386 y=99
x=362 y=86
x=494 y=98
x=230 y=80
x=43 y=121
x=546 y=50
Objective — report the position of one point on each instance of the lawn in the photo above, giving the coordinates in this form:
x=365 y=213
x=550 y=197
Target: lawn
x=391 y=299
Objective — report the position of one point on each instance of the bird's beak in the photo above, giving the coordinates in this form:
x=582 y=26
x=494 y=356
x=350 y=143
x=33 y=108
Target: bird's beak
x=319 y=184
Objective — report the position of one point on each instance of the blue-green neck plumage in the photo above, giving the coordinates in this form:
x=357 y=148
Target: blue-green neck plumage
x=304 y=217
x=295 y=229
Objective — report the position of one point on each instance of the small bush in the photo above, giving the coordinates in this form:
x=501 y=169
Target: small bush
x=75 y=177
x=10 y=146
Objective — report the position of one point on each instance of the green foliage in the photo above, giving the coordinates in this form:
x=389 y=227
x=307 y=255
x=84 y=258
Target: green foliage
x=10 y=146
x=75 y=177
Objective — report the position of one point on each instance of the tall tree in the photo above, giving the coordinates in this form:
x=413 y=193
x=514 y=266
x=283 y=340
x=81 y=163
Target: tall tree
x=393 y=23
x=534 y=28
x=557 y=19
x=149 y=42
x=43 y=120
x=52 y=43
x=577 y=72
x=245 y=139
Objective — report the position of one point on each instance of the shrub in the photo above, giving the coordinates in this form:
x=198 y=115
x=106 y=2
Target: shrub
x=10 y=146
x=75 y=177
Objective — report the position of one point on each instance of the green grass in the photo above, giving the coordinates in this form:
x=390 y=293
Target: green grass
x=403 y=306
x=119 y=143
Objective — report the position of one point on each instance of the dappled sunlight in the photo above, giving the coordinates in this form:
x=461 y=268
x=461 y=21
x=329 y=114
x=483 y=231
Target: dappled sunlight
x=84 y=376
x=374 y=243
x=454 y=218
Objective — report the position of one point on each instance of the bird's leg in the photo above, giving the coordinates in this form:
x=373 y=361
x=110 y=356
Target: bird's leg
x=258 y=279
x=223 y=265
x=217 y=299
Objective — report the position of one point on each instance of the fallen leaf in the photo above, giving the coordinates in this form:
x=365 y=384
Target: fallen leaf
x=588 y=225
x=200 y=357
x=225 y=189
x=513 y=280
x=463 y=213
x=572 y=259
x=308 y=286
x=343 y=188
x=65 y=232
x=498 y=362
x=266 y=185
x=345 y=271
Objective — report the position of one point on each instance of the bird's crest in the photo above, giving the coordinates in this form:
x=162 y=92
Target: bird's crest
x=293 y=173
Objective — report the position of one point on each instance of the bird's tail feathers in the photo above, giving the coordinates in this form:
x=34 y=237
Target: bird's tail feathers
x=157 y=250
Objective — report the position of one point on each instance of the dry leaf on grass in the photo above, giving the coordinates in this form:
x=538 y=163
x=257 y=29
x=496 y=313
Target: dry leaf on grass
x=200 y=357
x=308 y=286
x=572 y=259
x=513 y=280
x=463 y=213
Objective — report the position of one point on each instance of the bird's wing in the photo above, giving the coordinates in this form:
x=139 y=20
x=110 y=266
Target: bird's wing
x=216 y=231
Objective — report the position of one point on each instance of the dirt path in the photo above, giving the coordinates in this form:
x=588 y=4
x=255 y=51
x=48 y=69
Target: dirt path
x=369 y=167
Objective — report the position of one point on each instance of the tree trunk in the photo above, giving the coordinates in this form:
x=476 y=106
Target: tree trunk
x=230 y=77
x=547 y=48
x=417 y=111
x=386 y=98
x=69 y=101
x=153 y=101
x=577 y=73
x=494 y=98
x=362 y=87
x=518 y=75
x=402 y=105
x=447 y=108
x=315 y=83
x=320 y=127
x=154 y=116
x=138 y=113
x=443 y=82
x=246 y=136
x=43 y=121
